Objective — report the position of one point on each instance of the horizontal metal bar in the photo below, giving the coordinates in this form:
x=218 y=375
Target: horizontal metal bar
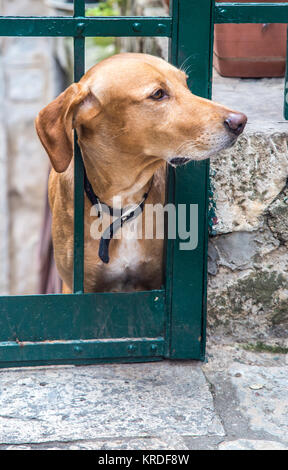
x=83 y=26
x=251 y=12
x=14 y=354
x=103 y=315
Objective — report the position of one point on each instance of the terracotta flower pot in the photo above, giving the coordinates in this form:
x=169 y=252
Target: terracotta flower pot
x=250 y=50
x=166 y=4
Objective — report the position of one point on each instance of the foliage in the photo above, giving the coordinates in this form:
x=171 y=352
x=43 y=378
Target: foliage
x=108 y=8
x=262 y=347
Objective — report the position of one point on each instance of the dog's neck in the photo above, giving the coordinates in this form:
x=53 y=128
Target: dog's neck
x=121 y=180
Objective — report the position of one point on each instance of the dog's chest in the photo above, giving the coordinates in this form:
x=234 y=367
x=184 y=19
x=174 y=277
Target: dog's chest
x=129 y=255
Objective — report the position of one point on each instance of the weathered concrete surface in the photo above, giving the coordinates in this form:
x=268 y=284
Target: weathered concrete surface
x=261 y=99
x=252 y=444
x=237 y=400
x=106 y=402
x=250 y=396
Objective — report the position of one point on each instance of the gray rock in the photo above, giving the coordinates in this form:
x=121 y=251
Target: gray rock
x=238 y=250
x=250 y=304
x=252 y=444
x=266 y=407
x=247 y=178
x=103 y=402
x=278 y=217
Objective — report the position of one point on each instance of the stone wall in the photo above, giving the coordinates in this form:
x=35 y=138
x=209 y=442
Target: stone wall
x=26 y=86
x=248 y=258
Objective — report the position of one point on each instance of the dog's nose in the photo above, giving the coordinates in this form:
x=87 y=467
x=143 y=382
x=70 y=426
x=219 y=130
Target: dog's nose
x=235 y=122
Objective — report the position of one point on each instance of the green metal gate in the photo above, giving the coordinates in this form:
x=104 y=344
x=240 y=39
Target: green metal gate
x=169 y=323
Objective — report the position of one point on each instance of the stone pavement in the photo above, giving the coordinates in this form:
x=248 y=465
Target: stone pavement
x=262 y=99
x=236 y=400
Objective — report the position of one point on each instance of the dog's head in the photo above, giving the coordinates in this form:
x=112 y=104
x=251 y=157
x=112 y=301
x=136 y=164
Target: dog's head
x=139 y=106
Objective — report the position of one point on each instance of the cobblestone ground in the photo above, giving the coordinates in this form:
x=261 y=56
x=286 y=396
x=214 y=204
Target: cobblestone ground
x=236 y=400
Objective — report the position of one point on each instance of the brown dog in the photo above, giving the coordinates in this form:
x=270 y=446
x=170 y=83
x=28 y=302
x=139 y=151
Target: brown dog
x=133 y=114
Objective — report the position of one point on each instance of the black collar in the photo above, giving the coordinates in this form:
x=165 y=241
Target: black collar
x=123 y=215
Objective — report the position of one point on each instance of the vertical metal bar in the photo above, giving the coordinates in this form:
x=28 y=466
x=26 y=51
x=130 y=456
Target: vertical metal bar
x=79 y=8
x=170 y=191
x=79 y=68
x=194 y=37
x=286 y=85
x=208 y=94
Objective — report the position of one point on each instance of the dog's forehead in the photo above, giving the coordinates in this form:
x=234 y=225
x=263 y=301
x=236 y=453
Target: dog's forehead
x=125 y=72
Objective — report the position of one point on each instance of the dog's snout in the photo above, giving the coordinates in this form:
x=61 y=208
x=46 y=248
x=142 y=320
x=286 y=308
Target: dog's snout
x=235 y=123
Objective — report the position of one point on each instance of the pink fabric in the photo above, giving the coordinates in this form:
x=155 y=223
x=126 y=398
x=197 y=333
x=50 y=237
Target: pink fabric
x=49 y=280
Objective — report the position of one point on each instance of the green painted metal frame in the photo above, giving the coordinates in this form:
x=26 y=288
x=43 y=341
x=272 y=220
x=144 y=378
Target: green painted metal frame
x=251 y=12
x=286 y=86
x=85 y=26
x=144 y=326
x=192 y=47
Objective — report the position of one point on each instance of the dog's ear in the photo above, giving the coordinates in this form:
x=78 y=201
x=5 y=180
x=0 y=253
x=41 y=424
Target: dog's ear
x=55 y=123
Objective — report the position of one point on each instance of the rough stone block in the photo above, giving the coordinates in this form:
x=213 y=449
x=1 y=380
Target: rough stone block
x=106 y=402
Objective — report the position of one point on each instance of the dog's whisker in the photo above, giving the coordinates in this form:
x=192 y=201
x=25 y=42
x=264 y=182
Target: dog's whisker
x=188 y=69
x=185 y=61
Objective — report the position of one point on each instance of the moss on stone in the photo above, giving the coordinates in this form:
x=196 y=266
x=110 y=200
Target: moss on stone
x=262 y=347
x=280 y=314
x=259 y=286
x=258 y=289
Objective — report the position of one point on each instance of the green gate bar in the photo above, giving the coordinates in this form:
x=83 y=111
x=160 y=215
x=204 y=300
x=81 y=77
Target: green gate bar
x=187 y=288
x=66 y=26
x=286 y=85
x=79 y=70
x=136 y=26
x=251 y=12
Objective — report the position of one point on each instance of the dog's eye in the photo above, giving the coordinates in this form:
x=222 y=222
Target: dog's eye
x=159 y=95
